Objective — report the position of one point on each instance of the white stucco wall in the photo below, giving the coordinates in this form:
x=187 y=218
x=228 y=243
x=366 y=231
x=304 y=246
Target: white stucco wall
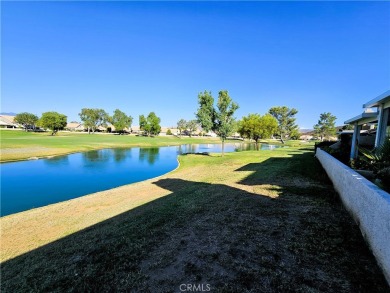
x=368 y=204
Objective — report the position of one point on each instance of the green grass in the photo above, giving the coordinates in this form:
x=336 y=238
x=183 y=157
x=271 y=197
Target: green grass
x=265 y=221
x=20 y=145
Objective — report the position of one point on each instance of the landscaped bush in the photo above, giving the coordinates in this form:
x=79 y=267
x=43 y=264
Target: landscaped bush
x=169 y=132
x=322 y=145
x=342 y=153
x=384 y=176
x=379 y=157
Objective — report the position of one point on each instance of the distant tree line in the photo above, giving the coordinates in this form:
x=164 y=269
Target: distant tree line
x=215 y=116
x=187 y=127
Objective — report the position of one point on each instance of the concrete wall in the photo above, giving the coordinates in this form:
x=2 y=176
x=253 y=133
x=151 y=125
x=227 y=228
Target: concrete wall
x=368 y=204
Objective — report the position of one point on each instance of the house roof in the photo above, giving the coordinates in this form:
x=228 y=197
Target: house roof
x=73 y=125
x=364 y=117
x=383 y=98
x=7 y=120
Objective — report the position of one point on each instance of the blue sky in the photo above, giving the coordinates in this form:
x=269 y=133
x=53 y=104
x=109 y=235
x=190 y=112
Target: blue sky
x=157 y=56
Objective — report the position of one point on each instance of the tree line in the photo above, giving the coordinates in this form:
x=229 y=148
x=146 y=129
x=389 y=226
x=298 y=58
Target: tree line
x=92 y=119
x=216 y=116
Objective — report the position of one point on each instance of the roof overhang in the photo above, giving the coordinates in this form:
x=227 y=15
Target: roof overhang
x=381 y=99
x=363 y=118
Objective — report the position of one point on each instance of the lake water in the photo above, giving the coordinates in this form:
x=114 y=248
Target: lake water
x=30 y=184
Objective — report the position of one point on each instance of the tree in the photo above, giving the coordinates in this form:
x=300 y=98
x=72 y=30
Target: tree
x=53 y=121
x=121 y=121
x=206 y=112
x=154 y=122
x=295 y=134
x=93 y=118
x=143 y=124
x=191 y=126
x=325 y=126
x=256 y=127
x=28 y=120
x=286 y=121
x=219 y=119
x=150 y=125
x=347 y=127
x=181 y=125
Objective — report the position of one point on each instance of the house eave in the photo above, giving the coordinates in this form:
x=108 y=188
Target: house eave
x=363 y=118
x=381 y=99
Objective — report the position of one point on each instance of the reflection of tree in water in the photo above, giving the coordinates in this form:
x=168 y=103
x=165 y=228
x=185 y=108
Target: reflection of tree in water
x=150 y=154
x=247 y=147
x=187 y=148
x=192 y=148
x=64 y=160
x=121 y=154
x=96 y=156
x=180 y=149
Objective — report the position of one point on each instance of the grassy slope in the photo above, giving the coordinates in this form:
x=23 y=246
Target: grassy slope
x=19 y=145
x=252 y=221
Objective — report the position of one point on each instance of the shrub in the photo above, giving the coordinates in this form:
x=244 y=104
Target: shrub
x=323 y=145
x=169 y=132
x=379 y=157
x=384 y=176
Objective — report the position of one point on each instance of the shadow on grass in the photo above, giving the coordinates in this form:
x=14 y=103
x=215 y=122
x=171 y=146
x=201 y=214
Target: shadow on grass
x=282 y=170
x=214 y=234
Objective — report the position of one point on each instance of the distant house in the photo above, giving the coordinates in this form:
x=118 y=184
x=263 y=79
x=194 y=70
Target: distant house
x=376 y=118
x=211 y=134
x=74 y=126
x=306 y=136
x=8 y=121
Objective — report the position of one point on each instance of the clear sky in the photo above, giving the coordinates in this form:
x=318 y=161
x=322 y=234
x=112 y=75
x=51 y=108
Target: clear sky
x=157 y=56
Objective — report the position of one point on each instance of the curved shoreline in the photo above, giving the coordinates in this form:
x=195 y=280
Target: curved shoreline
x=95 y=193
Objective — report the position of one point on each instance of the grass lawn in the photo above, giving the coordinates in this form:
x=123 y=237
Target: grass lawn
x=265 y=221
x=21 y=145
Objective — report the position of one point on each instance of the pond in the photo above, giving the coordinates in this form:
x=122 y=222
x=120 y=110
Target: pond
x=30 y=184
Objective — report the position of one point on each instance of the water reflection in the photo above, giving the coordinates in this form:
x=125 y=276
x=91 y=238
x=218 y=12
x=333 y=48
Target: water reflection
x=121 y=155
x=96 y=156
x=229 y=147
x=252 y=147
x=150 y=154
x=55 y=161
x=188 y=148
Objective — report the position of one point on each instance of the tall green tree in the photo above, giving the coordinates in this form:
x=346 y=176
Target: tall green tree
x=154 y=122
x=181 y=125
x=121 y=121
x=220 y=118
x=192 y=126
x=256 y=127
x=326 y=126
x=28 y=120
x=143 y=124
x=53 y=121
x=206 y=111
x=286 y=121
x=150 y=125
x=93 y=118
